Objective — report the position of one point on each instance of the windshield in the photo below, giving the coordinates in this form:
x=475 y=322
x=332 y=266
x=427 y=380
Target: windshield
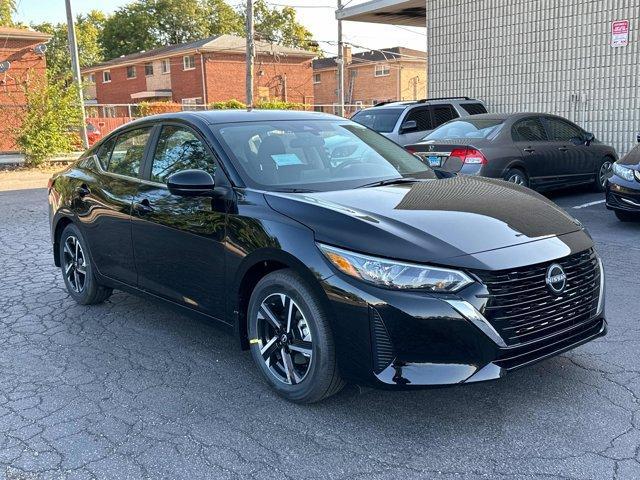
x=314 y=155
x=477 y=128
x=378 y=119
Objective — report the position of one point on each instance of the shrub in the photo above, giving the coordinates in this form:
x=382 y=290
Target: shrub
x=279 y=105
x=52 y=119
x=232 y=104
x=152 y=108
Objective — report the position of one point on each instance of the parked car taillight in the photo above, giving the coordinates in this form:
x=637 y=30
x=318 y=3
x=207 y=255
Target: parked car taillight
x=469 y=155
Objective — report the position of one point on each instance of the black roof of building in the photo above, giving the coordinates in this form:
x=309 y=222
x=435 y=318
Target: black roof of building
x=381 y=55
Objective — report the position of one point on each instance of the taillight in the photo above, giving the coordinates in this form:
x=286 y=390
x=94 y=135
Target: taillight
x=469 y=156
x=410 y=149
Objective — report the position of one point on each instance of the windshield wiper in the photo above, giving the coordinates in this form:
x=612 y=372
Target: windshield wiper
x=389 y=181
x=295 y=190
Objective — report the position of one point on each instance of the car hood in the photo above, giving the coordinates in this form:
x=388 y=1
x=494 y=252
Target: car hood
x=430 y=221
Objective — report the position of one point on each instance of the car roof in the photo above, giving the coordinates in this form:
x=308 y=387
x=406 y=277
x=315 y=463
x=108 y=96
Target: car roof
x=426 y=101
x=512 y=116
x=213 y=117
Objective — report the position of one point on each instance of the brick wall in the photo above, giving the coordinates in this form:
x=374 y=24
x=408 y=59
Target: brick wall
x=120 y=88
x=26 y=67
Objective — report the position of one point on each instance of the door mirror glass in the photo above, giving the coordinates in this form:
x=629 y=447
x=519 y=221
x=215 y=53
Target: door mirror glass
x=589 y=138
x=408 y=126
x=638 y=137
x=191 y=183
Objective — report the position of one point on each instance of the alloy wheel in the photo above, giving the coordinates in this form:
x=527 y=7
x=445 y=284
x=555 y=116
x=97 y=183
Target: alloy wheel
x=603 y=175
x=284 y=338
x=516 y=178
x=75 y=264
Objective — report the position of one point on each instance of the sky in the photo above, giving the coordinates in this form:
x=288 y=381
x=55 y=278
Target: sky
x=316 y=15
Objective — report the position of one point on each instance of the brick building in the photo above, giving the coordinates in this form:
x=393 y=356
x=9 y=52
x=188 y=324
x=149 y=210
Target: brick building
x=22 y=62
x=175 y=73
x=371 y=77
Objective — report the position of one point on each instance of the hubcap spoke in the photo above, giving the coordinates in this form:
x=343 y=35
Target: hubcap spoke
x=75 y=264
x=269 y=316
x=269 y=348
x=301 y=346
x=292 y=376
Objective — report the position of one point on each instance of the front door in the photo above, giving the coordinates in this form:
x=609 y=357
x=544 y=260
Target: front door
x=178 y=240
x=537 y=152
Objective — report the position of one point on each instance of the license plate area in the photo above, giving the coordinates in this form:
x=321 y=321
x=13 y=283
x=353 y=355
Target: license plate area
x=434 y=161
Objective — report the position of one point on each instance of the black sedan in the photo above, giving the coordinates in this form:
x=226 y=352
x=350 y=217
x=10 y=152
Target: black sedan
x=623 y=187
x=355 y=266
x=535 y=150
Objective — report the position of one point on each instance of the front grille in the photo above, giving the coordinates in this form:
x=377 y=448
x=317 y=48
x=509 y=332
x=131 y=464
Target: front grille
x=522 y=309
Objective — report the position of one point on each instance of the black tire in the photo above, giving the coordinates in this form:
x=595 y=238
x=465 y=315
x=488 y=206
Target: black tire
x=602 y=174
x=627 y=216
x=83 y=287
x=517 y=176
x=314 y=377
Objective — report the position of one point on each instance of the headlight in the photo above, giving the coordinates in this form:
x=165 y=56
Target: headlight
x=623 y=172
x=394 y=274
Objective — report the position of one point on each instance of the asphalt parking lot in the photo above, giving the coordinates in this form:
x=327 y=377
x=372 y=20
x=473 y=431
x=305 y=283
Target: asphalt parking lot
x=130 y=389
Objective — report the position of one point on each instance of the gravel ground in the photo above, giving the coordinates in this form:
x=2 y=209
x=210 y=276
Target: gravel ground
x=131 y=390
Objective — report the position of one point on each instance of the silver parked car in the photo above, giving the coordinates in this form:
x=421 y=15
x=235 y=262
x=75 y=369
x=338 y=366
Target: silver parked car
x=408 y=122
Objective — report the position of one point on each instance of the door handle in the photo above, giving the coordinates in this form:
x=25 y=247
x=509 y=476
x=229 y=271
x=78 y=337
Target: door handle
x=529 y=150
x=83 y=190
x=563 y=149
x=143 y=207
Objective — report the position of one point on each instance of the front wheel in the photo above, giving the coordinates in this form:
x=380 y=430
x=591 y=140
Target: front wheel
x=77 y=269
x=291 y=340
x=604 y=172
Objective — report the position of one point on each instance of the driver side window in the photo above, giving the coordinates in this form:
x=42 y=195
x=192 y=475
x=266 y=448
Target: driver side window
x=179 y=149
x=561 y=131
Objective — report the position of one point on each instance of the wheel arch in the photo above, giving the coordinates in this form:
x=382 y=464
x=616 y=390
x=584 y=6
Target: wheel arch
x=255 y=267
x=59 y=226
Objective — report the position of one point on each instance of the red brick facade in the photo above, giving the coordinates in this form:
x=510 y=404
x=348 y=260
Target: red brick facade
x=26 y=67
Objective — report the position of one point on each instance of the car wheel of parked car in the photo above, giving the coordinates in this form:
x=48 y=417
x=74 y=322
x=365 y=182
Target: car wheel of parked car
x=603 y=174
x=290 y=338
x=517 y=176
x=77 y=269
x=627 y=216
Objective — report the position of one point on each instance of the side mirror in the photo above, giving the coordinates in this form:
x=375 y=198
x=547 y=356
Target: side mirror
x=191 y=183
x=408 y=126
x=638 y=138
x=589 y=138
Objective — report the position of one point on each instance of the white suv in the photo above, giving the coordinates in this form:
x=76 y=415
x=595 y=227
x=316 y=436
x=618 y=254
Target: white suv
x=408 y=122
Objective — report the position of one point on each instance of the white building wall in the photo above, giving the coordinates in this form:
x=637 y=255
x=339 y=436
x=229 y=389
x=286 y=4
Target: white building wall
x=543 y=56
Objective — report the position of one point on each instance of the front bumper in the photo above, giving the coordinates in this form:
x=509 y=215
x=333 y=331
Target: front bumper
x=623 y=194
x=395 y=339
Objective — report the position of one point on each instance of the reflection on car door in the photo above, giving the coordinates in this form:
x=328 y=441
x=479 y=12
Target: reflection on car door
x=538 y=154
x=177 y=240
x=574 y=162
x=106 y=211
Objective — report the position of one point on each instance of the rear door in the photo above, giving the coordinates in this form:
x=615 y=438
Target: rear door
x=537 y=152
x=178 y=240
x=574 y=162
x=106 y=211
x=422 y=116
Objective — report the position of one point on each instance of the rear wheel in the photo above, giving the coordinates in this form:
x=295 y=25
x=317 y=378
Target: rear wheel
x=291 y=340
x=517 y=176
x=627 y=216
x=603 y=174
x=77 y=269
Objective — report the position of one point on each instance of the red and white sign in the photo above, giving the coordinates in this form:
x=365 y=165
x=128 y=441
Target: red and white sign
x=620 y=33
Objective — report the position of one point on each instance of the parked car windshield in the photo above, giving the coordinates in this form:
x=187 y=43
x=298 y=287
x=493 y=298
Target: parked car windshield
x=379 y=119
x=468 y=128
x=315 y=155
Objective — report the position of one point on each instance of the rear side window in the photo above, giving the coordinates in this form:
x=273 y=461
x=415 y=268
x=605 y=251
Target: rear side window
x=473 y=108
x=104 y=152
x=128 y=151
x=562 y=131
x=529 y=130
x=442 y=114
x=379 y=119
x=179 y=149
x=422 y=118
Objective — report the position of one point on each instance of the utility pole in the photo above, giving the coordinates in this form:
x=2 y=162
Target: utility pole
x=250 y=54
x=75 y=66
x=340 y=64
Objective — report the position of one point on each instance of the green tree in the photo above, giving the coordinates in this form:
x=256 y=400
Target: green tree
x=222 y=18
x=51 y=121
x=88 y=34
x=280 y=25
x=7 y=9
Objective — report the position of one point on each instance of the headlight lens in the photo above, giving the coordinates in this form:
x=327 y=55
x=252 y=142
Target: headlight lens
x=623 y=172
x=394 y=274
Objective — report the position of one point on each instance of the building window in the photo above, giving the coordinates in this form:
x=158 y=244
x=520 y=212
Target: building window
x=316 y=78
x=191 y=103
x=189 y=62
x=148 y=69
x=165 y=66
x=131 y=72
x=382 y=70
x=106 y=76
